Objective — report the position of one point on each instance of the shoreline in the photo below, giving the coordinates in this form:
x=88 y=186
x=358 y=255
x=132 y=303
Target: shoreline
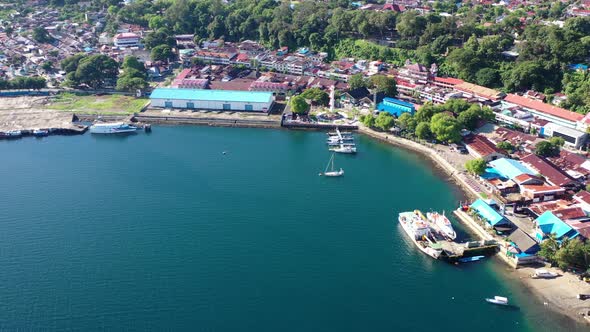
x=546 y=292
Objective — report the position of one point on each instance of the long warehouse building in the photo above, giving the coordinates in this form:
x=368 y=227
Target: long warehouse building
x=199 y=99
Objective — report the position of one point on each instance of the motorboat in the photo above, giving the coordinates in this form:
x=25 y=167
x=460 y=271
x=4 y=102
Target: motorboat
x=471 y=259
x=544 y=274
x=499 y=300
x=332 y=172
x=112 y=128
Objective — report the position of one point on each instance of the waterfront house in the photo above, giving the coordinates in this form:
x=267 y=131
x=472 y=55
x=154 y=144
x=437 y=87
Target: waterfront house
x=489 y=214
x=522 y=247
x=583 y=199
x=548 y=224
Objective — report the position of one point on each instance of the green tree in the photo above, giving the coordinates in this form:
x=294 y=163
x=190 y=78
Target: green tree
x=384 y=121
x=506 y=146
x=423 y=130
x=92 y=70
x=161 y=53
x=357 y=81
x=573 y=253
x=557 y=141
x=41 y=35
x=546 y=149
x=133 y=77
x=445 y=128
x=384 y=84
x=488 y=77
x=549 y=248
x=368 y=120
x=299 y=105
x=407 y=122
x=476 y=166
x=317 y=96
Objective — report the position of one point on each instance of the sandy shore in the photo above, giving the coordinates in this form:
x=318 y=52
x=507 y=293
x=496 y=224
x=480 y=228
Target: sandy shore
x=558 y=295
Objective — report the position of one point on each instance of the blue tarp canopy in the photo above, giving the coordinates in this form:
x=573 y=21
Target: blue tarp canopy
x=488 y=213
x=510 y=168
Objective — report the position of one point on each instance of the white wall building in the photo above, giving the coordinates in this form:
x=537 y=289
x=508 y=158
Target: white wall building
x=212 y=99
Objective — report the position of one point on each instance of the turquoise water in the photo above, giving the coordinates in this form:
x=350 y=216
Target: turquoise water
x=164 y=232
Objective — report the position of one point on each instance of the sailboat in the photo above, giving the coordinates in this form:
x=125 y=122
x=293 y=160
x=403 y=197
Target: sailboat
x=332 y=172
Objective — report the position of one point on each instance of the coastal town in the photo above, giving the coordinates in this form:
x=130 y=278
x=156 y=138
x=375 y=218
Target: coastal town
x=515 y=140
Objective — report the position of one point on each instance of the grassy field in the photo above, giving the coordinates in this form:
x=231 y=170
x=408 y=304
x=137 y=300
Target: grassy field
x=106 y=104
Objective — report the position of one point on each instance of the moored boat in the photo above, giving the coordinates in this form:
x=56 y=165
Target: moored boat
x=332 y=172
x=40 y=132
x=14 y=133
x=499 y=300
x=471 y=259
x=416 y=227
x=344 y=148
x=443 y=223
x=112 y=128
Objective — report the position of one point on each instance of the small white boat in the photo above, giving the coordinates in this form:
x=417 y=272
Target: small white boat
x=344 y=149
x=544 y=274
x=112 y=128
x=332 y=172
x=499 y=300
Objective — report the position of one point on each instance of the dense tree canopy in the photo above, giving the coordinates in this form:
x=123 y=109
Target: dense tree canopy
x=91 y=70
x=476 y=166
x=299 y=105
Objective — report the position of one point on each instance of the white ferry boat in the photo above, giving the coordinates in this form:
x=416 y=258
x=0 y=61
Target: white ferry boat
x=112 y=128
x=443 y=223
x=415 y=225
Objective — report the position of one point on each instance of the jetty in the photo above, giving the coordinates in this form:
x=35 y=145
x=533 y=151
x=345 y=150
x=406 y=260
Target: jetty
x=27 y=121
x=435 y=241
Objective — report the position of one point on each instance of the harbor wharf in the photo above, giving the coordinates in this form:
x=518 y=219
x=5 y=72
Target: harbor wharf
x=209 y=118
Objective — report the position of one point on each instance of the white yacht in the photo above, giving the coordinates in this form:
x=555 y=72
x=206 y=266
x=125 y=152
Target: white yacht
x=112 y=128
x=443 y=223
x=544 y=274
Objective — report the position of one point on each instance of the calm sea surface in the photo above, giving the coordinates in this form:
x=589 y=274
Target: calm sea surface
x=164 y=232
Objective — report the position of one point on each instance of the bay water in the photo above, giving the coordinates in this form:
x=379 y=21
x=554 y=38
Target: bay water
x=164 y=231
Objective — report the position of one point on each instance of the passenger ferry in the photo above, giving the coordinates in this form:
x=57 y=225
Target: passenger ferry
x=417 y=228
x=112 y=128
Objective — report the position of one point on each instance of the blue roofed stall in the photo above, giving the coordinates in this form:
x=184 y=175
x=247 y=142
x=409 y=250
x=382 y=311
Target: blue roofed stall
x=487 y=213
x=395 y=106
x=548 y=224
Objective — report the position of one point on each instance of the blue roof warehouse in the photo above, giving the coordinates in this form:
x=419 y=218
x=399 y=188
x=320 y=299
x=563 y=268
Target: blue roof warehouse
x=199 y=99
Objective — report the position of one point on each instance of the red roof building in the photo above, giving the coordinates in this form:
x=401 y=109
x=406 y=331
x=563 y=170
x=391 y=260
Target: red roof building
x=549 y=112
x=481 y=147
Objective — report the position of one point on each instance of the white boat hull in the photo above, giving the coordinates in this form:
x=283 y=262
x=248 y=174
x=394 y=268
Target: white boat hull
x=407 y=229
x=115 y=128
x=335 y=173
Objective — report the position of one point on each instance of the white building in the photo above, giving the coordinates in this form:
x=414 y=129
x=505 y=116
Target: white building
x=572 y=137
x=126 y=39
x=212 y=99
